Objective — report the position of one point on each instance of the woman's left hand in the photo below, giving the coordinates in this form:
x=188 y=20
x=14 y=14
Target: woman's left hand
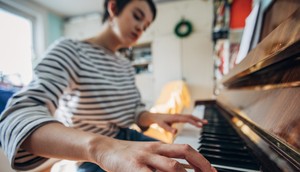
x=166 y=120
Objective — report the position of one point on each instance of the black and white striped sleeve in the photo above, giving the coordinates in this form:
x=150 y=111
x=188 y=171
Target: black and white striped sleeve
x=140 y=108
x=35 y=105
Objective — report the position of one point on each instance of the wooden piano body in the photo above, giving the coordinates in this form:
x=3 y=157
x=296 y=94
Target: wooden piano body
x=260 y=97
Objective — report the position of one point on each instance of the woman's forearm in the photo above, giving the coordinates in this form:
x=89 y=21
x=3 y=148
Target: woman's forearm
x=166 y=120
x=57 y=141
x=146 y=119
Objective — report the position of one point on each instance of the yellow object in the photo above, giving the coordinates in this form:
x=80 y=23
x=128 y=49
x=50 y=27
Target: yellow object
x=173 y=98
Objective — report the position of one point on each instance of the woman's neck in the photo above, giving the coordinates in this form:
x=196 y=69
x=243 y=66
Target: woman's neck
x=106 y=39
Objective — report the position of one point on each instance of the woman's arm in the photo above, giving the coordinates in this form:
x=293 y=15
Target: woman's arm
x=57 y=141
x=54 y=140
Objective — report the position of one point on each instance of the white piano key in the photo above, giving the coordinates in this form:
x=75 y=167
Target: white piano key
x=198 y=111
x=188 y=135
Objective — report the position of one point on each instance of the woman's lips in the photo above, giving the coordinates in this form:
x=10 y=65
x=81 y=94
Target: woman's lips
x=134 y=36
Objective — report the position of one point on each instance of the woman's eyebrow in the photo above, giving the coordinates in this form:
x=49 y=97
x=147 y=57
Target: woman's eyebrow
x=140 y=11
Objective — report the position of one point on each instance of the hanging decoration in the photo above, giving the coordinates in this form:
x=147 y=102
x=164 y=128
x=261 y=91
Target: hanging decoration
x=183 y=29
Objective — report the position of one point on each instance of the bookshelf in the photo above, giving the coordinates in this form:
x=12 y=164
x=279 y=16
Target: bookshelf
x=228 y=28
x=142 y=58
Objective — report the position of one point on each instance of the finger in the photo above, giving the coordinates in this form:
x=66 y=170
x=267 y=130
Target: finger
x=196 y=119
x=199 y=170
x=186 y=152
x=188 y=119
x=194 y=122
x=167 y=127
x=165 y=164
x=204 y=121
x=145 y=169
x=196 y=169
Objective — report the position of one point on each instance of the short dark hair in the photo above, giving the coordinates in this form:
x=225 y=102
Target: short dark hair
x=120 y=4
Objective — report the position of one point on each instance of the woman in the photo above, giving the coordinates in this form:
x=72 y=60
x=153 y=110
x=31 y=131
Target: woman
x=91 y=92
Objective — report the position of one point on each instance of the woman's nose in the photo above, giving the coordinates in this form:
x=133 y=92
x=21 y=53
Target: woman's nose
x=139 y=28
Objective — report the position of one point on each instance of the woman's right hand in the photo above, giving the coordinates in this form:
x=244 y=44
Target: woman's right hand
x=128 y=156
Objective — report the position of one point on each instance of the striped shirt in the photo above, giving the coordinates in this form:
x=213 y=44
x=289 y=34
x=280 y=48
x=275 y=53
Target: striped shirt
x=78 y=84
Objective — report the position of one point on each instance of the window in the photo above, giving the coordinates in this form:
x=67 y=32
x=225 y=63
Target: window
x=16 y=44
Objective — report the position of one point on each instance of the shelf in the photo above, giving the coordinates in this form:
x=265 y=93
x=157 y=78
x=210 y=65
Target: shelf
x=141 y=58
x=141 y=64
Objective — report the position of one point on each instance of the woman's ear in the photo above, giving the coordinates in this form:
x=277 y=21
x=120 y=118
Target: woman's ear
x=112 y=8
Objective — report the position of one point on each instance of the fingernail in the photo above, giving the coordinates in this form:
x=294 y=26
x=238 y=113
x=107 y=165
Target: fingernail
x=213 y=169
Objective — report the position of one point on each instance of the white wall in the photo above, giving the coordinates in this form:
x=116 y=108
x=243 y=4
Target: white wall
x=188 y=58
x=83 y=27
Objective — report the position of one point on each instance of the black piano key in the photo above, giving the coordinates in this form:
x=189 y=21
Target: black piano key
x=224 y=146
x=231 y=139
x=219 y=136
x=222 y=124
x=207 y=146
x=220 y=144
x=231 y=156
x=227 y=147
x=231 y=163
x=225 y=170
x=218 y=131
x=220 y=140
x=215 y=117
x=224 y=151
x=217 y=123
x=219 y=127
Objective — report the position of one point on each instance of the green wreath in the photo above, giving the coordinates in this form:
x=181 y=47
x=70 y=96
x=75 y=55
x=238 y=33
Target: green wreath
x=183 y=29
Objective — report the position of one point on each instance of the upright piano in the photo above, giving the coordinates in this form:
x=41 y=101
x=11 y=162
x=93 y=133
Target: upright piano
x=254 y=123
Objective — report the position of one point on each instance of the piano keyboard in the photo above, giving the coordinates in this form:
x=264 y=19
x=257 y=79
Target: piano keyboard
x=218 y=142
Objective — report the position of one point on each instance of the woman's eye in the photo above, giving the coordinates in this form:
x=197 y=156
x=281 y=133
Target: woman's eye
x=137 y=17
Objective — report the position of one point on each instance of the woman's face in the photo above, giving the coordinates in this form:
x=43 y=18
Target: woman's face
x=132 y=22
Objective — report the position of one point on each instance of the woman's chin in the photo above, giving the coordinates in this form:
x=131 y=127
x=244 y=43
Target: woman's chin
x=130 y=43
